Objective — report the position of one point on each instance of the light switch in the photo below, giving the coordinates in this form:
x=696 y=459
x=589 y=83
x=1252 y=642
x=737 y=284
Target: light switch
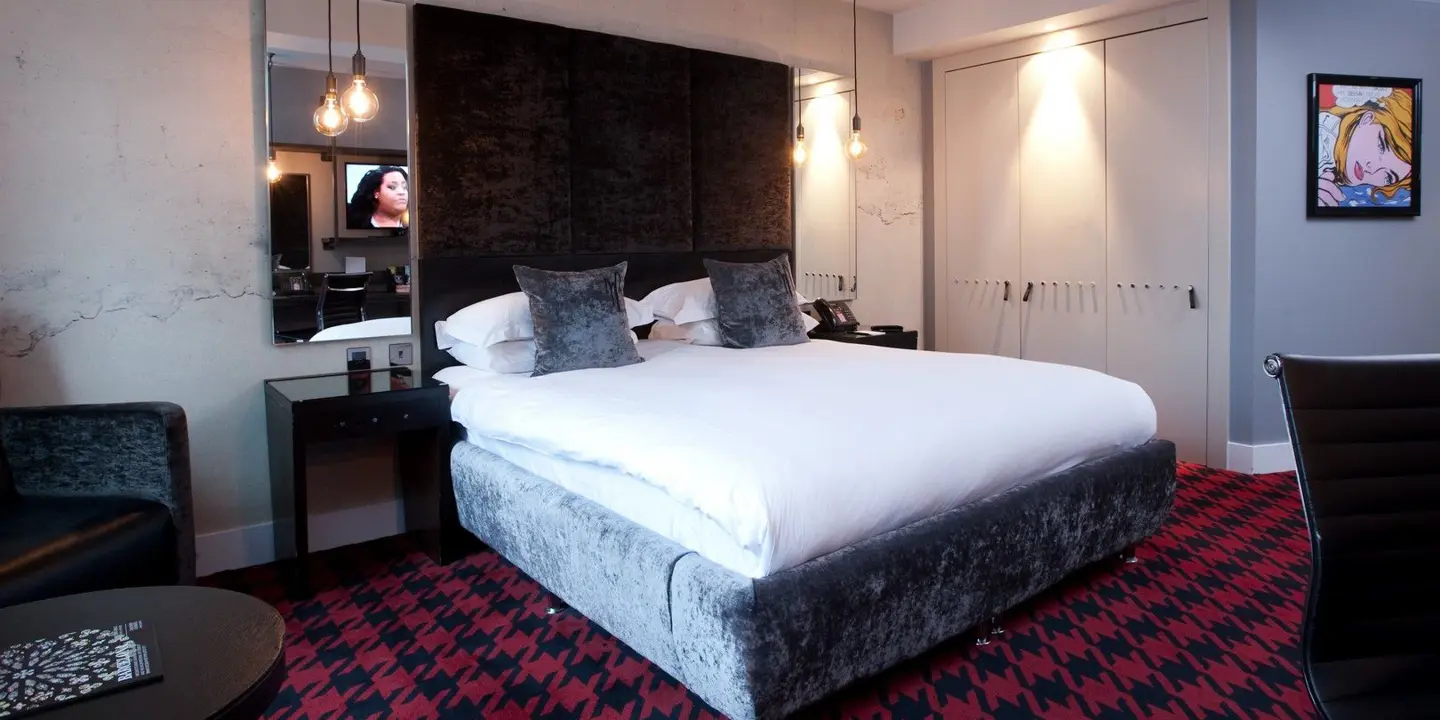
x=400 y=354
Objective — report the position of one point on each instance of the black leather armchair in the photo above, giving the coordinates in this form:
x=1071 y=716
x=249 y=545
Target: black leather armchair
x=93 y=497
x=1366 y=434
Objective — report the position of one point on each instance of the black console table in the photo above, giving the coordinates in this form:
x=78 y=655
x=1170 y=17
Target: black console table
x=348 y=405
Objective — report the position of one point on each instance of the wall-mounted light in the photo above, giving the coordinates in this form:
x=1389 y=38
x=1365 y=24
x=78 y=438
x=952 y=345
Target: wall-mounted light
x=856 y=147
x=272 y=171
x=359 y=100
x=330 y=118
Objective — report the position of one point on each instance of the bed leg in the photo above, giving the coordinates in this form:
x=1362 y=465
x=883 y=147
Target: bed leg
x=983 y=631
x=995 y=627
x=1128 y=555
x=557 y=608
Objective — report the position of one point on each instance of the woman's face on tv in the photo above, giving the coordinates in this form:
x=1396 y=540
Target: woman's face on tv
x=393 y=197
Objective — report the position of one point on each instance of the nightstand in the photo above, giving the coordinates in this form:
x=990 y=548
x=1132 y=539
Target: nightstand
x=902 y=340
x=349 y=405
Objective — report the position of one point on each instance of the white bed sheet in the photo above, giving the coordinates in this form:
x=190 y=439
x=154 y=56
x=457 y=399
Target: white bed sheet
x=720 y=450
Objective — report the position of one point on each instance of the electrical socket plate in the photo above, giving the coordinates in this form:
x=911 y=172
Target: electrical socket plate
x=357 y=353
x=401 y=354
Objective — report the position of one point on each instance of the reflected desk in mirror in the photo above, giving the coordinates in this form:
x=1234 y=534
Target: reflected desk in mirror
x=318 y=307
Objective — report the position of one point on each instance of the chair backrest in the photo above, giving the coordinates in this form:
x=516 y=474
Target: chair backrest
x=342 y=299
x=1366 y=435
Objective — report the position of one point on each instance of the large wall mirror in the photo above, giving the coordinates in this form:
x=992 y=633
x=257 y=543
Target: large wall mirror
x=339 y=171
x=825 y=250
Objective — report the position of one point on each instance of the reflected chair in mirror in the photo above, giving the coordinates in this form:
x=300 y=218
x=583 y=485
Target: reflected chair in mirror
x=342 y=299
x=1366 y=436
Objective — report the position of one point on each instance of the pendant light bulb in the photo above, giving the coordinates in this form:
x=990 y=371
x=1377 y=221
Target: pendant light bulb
x=272 y=171
x=800 y=154
x=330 y=117
x=856 y=147
x=359 y=100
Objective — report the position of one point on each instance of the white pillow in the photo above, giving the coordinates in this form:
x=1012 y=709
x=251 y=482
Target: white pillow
x=704 y=332
x=687 y=302
x=459 y=375
x=510 y=356
x=505 y=318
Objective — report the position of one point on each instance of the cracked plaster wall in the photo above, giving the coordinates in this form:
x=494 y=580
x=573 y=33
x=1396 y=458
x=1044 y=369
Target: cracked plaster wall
x=133 y=253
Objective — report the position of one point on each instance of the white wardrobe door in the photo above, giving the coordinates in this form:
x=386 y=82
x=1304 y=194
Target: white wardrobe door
x=982 y=228
x=1157 y=88
x=1062 y=205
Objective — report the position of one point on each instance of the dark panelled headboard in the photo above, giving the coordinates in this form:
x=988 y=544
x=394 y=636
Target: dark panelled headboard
x=454 y=283
x=563 y=149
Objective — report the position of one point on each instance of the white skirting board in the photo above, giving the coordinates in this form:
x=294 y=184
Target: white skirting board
x=255 y=544
x=1259 y=459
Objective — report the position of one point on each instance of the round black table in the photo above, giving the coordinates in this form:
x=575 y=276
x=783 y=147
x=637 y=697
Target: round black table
x=222 y=653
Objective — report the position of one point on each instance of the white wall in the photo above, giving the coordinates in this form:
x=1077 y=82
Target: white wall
x=133 y=254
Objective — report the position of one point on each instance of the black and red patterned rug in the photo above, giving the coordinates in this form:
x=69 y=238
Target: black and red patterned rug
x=1205 y=626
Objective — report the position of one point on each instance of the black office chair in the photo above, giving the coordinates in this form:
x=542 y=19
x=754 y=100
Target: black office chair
x=1366 y=434
x=342 y=299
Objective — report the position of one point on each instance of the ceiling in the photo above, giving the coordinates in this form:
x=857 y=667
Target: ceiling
x=895 y=6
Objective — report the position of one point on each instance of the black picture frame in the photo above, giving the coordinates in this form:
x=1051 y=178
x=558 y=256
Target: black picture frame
x=1341 y=194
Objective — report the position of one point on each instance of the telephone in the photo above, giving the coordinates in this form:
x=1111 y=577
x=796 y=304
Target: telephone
x=834 y=315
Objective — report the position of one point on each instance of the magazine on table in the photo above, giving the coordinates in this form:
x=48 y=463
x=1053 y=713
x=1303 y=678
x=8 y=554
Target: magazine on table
x=43 y=674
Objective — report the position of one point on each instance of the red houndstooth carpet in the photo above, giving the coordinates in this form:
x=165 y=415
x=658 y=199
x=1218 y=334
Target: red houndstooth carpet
x=1205 y=626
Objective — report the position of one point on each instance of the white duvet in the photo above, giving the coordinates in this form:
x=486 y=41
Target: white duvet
x=793 y=452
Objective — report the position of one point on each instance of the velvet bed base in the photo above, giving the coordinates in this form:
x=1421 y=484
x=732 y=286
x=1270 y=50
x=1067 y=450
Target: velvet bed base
x=762 y=648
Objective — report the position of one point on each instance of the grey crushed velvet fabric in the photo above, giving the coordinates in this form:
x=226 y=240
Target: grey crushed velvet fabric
x=579 y=318
x=139 y=450
x=578 y=550
x=764 y=648
x=755 y=303
x=804 y=632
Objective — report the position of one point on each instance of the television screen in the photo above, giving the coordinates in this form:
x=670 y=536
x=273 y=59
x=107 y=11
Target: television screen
x=379 y=196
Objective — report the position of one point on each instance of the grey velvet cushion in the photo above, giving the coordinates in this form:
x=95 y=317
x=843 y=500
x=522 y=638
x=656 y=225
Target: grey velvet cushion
x=755 y=303
x=579 y=318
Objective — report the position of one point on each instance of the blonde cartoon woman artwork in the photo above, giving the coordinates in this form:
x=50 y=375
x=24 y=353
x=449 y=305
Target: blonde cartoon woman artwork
x=1365 y=152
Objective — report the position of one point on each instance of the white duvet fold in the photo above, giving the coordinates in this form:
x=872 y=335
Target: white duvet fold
x=798 y=451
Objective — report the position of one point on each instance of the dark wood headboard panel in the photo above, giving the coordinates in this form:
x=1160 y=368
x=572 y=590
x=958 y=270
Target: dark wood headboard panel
x=448 y=284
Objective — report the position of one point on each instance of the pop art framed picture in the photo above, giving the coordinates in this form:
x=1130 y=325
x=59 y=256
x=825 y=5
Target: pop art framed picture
x=1364 y=158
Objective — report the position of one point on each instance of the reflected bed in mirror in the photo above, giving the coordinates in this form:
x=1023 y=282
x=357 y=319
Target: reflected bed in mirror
x=340 y=200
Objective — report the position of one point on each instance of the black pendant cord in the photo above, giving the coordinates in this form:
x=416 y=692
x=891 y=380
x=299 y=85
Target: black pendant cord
x=357 y=26
x=855 y=51
x=330 y=37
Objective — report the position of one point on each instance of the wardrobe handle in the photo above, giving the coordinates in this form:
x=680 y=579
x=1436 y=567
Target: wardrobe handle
x=1194 y=299
x=1007 y=291
x=1028 y=287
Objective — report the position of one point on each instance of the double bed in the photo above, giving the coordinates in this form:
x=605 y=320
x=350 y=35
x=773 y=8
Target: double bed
x=769 y=524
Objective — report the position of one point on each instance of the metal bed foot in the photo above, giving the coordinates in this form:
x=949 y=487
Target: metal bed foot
x=995 y=627
x=1128 y=555
x=988 y=629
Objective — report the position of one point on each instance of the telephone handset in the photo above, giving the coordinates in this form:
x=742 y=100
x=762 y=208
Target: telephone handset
x=834 y=315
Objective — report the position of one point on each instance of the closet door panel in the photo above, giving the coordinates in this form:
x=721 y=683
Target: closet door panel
x=1157 y=209
x=982 y=230
x=1062 y=205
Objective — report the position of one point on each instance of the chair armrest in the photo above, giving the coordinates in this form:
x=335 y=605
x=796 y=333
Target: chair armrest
x=139 y=450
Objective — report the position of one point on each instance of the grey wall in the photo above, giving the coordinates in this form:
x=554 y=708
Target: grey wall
x=296 y=93
x=134 y=257
x=1320 y=286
